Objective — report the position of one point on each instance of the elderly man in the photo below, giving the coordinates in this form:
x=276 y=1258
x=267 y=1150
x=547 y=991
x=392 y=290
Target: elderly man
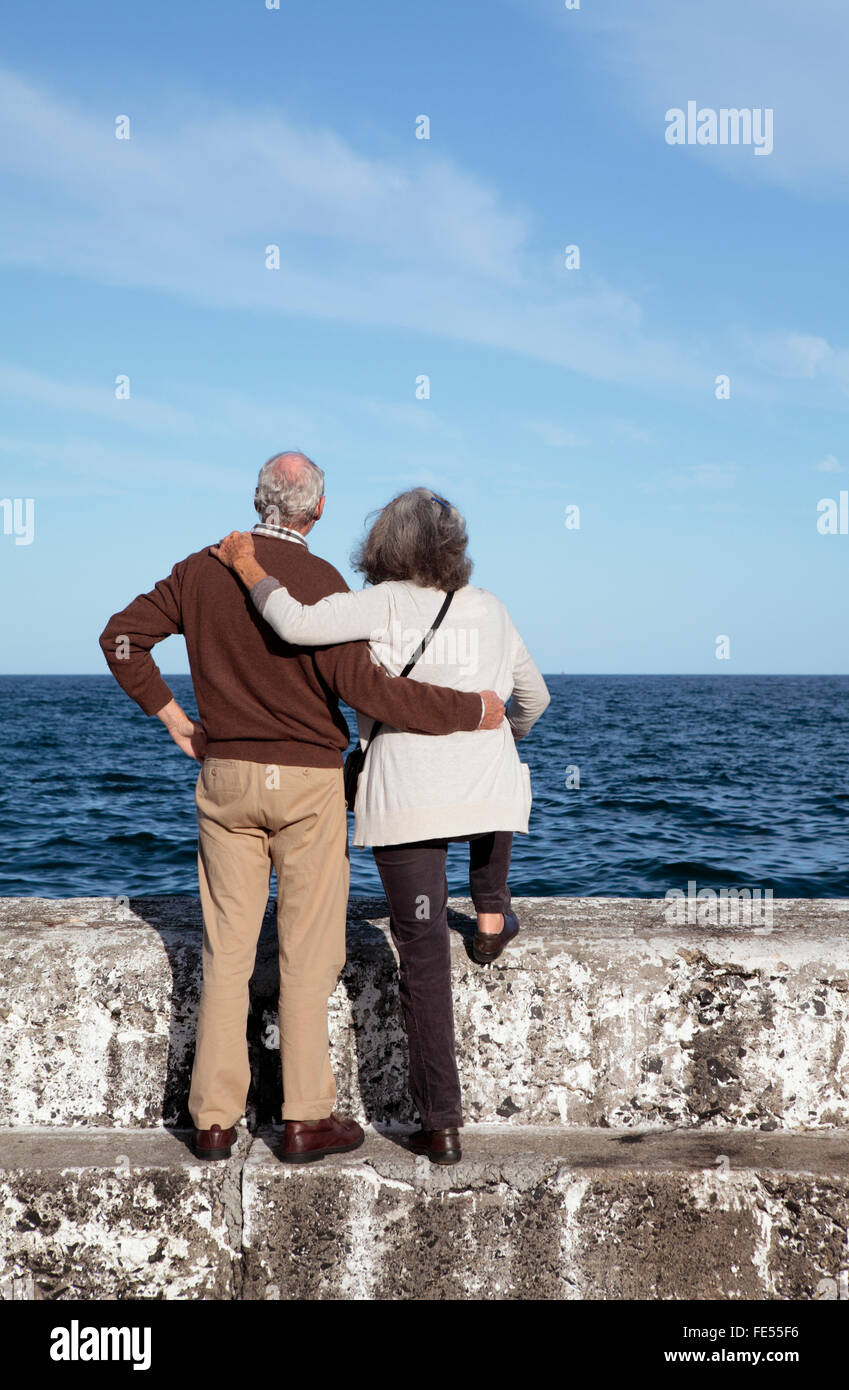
x=270 y=794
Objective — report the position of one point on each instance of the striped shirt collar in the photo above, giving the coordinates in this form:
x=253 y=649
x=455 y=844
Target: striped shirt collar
x=280 y=533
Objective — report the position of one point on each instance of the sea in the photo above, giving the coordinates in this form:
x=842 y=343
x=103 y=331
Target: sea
x=641 y=784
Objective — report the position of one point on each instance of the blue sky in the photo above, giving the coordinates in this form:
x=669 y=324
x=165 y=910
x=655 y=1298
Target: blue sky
x=444 y=257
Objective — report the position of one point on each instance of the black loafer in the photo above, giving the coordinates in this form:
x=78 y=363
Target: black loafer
x=487 y=946
x=439 y=1145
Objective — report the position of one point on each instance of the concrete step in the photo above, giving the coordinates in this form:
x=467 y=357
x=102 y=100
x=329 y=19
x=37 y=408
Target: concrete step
x=116 y=1214
x=602 y=1013
x=530 y=1213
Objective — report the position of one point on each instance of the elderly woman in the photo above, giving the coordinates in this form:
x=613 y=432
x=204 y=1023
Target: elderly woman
x=415 y=794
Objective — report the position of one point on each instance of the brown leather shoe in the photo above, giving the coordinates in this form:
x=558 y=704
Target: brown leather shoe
x=440 y=1145
x=304 y=1141
x=487 y=946
x=215 y=1142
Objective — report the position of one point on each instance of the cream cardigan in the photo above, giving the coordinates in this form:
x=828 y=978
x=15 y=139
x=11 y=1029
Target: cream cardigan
x=415 y=787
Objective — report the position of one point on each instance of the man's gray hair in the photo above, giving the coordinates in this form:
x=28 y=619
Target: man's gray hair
x=289 y=489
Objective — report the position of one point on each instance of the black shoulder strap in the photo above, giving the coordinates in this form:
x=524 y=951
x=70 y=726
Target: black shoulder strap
x=425 y=642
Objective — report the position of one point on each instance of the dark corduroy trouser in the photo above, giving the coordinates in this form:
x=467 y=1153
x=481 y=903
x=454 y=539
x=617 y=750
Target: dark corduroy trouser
x=416 y=888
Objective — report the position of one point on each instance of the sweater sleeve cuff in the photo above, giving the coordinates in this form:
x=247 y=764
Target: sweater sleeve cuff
x=474 y=705
x=261 y=592
x=155 y=696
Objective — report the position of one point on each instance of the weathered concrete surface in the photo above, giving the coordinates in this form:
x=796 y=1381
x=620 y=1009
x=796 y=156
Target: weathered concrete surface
x=601 y=1014
x=534 y=1214
x=117 y=1214
x=530 y=1213
x=98 y=1008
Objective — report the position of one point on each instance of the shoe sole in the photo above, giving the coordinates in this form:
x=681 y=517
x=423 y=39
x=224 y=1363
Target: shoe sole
x=212 y=1153
x=485 y=958
x=443 y=1160
x=481 y=959
x=321 y=1153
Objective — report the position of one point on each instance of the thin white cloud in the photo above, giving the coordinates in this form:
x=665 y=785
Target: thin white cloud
x=407 y=477
x=800 y=356
x=81 y=397
x=418 y=416
x=421 y=244
x=230 y=409
x=706 y=477
x=555 y=436
x=418 y=244
x=830 y=465
x=791 y=354
x=783 y=54
x=87 y=465
x=635 y=433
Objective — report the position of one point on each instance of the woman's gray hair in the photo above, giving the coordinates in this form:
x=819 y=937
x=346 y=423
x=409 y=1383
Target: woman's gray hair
x=418 y=536
x=289 y=489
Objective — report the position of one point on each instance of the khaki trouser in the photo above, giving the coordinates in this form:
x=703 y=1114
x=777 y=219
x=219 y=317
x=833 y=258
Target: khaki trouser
x=250 y=818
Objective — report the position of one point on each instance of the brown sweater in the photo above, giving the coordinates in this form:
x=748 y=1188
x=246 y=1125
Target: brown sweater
x=259 y=699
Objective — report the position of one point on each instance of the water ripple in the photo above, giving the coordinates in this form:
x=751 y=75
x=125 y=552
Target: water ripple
x=731 y=781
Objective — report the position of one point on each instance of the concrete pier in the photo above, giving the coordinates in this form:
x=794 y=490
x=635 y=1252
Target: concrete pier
x=654 y=1111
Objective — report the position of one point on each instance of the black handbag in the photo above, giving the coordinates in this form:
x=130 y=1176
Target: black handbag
x=355 y=760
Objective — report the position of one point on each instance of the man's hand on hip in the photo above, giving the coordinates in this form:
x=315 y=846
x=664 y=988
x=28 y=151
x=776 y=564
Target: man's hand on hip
x=189 y=737
x=493 y=710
